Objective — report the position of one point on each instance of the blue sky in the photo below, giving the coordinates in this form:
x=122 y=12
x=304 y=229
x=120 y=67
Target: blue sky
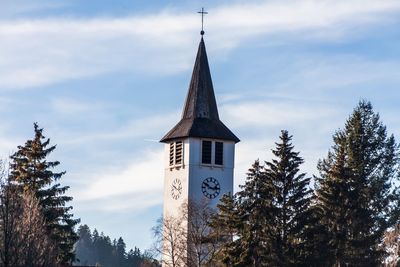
x=108 y=78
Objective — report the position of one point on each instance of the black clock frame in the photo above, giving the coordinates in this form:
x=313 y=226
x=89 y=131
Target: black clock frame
x=210 y=191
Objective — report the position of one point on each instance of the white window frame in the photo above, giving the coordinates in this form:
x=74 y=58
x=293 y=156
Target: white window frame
x=212 y=164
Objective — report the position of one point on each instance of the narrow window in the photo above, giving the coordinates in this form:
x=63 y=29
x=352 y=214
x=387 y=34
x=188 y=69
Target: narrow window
x=178 y=152
x=219 y=153
x=171 y=153
x=206 y=152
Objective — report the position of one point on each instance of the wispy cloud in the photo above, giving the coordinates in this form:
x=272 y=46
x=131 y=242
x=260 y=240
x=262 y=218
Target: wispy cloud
x=280 y=113
x=52 y=50
x=141 y=179
x=70 y=106
x=144 y=129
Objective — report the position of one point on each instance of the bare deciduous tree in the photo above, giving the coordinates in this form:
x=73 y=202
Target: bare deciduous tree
x=10 y=208
x=202 y=245
x=37 y=248
x=24 y=240
x=170 y=244
x=391 y=244
x=185 y=240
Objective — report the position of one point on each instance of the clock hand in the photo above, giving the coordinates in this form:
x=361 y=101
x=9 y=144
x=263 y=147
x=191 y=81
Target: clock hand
x=207 y=184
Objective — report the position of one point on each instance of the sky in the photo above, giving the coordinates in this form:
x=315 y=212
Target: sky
x=107 y=79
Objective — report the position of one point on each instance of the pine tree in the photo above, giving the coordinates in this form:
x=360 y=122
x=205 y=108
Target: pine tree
x=267 y=223
x=33 y=173
x=120 y=252
x=355 y=193
x=134 y=257
x=255 y=209
x=104 y=250
x=290 y=201
x=225 y=225
x=84 y=247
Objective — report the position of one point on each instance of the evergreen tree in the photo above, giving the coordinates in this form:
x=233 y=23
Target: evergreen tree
x=267 y=223
x=33 y=173
x=355 y=194
x=315 y=252
x=84 y=247
x=97 y=250
x=134 y=257
x=290 y=204
x=120 y=252
x=225 y=225
x=255 y=209
x=104 y=249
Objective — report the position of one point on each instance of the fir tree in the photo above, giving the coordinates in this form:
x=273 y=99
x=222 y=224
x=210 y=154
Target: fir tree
x=120 y=252
x=33 y=173
x=134 y=257
x=267 y=222
x=97 y=250
x=255 y=209
x=225 y=225
x=355 y=195
x=290 y=204
x=84 y=247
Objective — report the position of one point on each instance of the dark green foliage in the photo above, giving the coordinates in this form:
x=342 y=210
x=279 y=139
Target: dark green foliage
x=315 y=249
x=84 y=248
x=92 y=249
x=290 y=205
x=225 y=227
x=254 y=210
x=31 y=171
x=120 y=252
x=265 y=224
x=242 y=223
x=356 y=200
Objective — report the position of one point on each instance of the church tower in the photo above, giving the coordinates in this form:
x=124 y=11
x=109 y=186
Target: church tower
x=200 y=149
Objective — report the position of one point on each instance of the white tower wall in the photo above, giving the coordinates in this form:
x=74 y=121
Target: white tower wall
x=192 y=173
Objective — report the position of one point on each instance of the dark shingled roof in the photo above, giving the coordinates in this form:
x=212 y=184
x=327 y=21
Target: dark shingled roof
x=200 y=114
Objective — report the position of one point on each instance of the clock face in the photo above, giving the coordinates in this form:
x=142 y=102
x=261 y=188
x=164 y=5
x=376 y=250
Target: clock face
x=210 y=187
x=176 y=189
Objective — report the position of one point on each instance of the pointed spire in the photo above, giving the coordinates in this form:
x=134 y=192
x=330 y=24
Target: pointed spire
x=200 y=100
x=200 y=114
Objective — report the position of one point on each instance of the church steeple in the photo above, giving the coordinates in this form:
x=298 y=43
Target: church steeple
x=199 y=154
x=200 y=100
x=200 y=114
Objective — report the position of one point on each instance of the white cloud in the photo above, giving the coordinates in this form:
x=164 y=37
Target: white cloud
x=122 y=203
x=343 y=71
x=142 y=176
x=146 y=128
x=274 y=113
x=122 y=187
x=39 y=52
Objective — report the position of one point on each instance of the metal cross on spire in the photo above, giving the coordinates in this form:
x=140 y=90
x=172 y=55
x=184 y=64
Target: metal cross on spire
x=202 y=12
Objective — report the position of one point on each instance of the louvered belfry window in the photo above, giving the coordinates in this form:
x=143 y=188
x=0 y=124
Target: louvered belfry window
x=178 y=153
x=206 y=152
x=171 y=153
x=219 y=153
